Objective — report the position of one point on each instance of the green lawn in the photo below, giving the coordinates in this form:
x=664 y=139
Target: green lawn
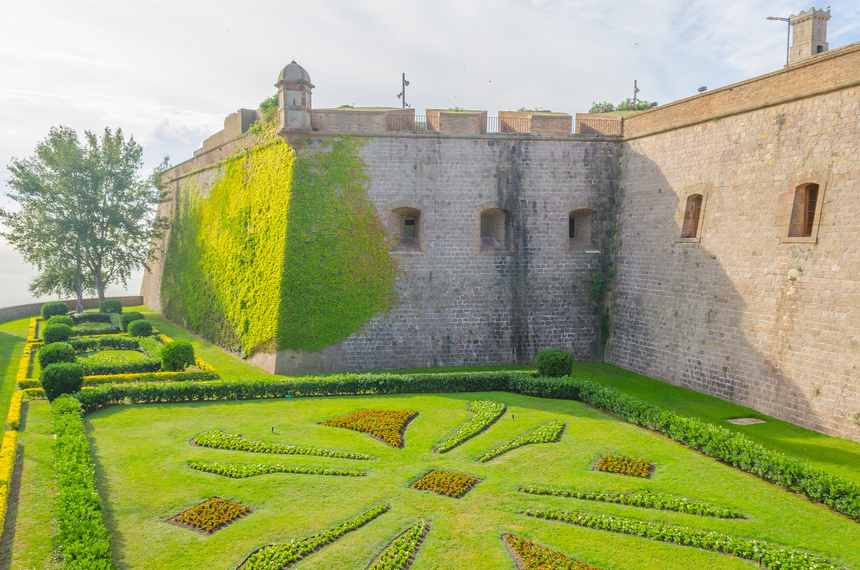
x=141 y=454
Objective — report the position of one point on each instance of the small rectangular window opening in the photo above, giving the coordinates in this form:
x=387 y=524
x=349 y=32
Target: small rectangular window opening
x=571 y=227
x=409 y=228
x=691 y=216
x=803 y=211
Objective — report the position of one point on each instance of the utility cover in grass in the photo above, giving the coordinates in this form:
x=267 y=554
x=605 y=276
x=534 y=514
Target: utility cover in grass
x=210 y=515
x=385 y=425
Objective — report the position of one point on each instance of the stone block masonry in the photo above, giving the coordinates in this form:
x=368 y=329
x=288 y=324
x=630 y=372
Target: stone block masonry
x=744 y=312
x=461 y=306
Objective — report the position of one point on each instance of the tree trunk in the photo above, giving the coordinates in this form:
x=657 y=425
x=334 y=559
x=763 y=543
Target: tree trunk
x=100 y=286
x=80 y=285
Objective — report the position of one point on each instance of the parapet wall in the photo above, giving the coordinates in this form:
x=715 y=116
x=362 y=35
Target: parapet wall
x=834 y=69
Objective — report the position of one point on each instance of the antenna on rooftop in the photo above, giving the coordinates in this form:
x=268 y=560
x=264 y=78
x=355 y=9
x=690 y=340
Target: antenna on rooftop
x=402 y=94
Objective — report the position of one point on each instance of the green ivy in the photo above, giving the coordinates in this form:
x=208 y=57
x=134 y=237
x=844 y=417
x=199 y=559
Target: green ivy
x=338 y=273
x=271 y=251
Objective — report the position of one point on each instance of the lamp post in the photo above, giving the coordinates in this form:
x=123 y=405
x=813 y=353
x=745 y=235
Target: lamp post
x=787 y=38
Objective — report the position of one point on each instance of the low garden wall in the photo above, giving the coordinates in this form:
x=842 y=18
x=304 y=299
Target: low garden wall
x=33 y=309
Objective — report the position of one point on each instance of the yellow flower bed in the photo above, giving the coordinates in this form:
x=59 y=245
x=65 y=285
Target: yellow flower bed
x=8 y=450
x=14 y=417
x=31 y=331
x=24 y=368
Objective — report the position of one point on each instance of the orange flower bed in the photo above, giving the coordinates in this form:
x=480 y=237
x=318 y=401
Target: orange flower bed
x=211 y=515
x=387 y=426
x=624 y=465
x=534 y=556
x=446 y=483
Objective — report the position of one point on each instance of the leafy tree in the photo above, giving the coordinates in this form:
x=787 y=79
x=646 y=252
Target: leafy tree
x=85 y=218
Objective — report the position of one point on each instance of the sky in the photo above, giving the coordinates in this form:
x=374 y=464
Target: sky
x=169 y=72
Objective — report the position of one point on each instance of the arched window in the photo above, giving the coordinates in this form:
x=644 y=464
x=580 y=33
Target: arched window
x=409 y=229
x=692 y=213
x=579 y=229
x=803 y=210
x=494 y=230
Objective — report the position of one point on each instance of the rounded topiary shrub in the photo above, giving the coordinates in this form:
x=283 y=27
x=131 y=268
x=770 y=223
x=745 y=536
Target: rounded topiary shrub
x=53 y=308
x=61 y=320
x=56 y=333
x=140 y=328
x=61 y=378
x=54 y=353
x=176 y=355
x=554 y=362
x=110 y=306
x=130 y=317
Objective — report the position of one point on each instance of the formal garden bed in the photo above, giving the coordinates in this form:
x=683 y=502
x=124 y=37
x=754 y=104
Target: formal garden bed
x=623 y=465
x=447 y=483
x=260 y=452
x=383 y=425
x=210 y=515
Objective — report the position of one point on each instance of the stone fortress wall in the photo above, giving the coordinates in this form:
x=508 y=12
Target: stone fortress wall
x=744 y=311
x=739 y=310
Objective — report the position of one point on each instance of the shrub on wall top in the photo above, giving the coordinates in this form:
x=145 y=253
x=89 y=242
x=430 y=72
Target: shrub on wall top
x=61 y=378
x=554 y=362
x=54 y=353
x=56 y=333
x=126 y=318
x=61 y=320
x=140 y=328
x=110 y=306
x=53 y=308
x=176 y=356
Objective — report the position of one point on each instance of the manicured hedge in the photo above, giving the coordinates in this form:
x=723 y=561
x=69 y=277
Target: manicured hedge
x=8 y=452
x=136 y=367
x=61 y=320
x=140 y=328
x=82 y=538
x=715 y=441
x=56 y=333
x=554 y=362
x=108 y=342
x=176 y=356
x=144 y=377
x=54 y=353
x=53 y=308
x=61 y=378
x=13 y=418
x=127 y=318
x=92 y=318
x=110 y=306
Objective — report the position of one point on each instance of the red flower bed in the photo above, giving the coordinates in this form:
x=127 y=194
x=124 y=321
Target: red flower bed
x=211 y=514
x=535 y=556
x=446 y=483
x=624 y=465
x=386 y=426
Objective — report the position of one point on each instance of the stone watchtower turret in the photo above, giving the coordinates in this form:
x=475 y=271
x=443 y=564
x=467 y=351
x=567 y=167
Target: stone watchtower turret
x=809 y=34
x=294 y=98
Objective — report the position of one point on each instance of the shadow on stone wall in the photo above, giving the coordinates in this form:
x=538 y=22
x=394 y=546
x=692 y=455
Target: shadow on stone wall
x=679 y=316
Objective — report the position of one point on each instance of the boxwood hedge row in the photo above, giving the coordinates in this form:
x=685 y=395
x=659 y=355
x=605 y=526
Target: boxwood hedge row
x=715 y=441
x=82 y=538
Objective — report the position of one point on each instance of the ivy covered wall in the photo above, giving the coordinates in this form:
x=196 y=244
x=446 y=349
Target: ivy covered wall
x=270 y=250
